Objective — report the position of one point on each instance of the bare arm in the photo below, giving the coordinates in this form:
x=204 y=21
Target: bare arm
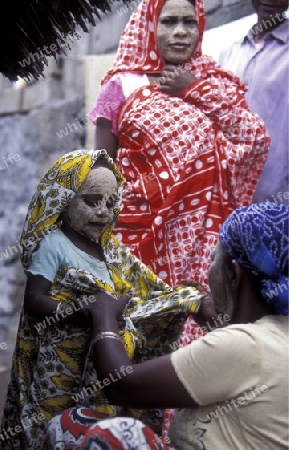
x=39 y=304
x=105 y=138
x=150 y=384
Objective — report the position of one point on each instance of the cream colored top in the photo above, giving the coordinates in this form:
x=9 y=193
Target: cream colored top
x=239 y=377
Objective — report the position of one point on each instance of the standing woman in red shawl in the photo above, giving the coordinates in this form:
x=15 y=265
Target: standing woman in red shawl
x=183 y=137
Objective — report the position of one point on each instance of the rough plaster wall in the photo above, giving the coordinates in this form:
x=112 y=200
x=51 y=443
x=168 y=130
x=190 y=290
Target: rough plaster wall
x=29 y=121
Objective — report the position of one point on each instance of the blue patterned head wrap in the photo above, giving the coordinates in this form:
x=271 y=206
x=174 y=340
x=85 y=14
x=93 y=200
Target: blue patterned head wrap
x=256 y=236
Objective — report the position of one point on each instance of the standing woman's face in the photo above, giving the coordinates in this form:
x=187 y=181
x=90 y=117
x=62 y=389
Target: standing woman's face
x=177 y=32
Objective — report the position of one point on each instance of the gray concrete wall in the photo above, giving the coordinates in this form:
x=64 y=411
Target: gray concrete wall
x=30 y=119
x=219 y=12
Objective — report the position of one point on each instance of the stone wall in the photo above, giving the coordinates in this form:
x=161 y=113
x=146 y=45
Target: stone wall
x=43 y=120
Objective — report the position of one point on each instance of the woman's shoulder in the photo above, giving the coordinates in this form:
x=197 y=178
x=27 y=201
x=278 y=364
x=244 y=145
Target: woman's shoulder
x=52 y=241
x=124 y=76
x=49 y=254
x=128 y=81
x=268 y=332
x=243 y=339
x=207 y=67
x=53 y=235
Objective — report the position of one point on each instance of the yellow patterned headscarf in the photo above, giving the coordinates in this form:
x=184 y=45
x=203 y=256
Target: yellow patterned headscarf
x=55 y=191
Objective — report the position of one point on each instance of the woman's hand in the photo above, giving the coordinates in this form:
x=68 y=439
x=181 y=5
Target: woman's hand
x=102 y=306
x=207 y=316
x=206 y=312
x=195 y=284
x=174 y=79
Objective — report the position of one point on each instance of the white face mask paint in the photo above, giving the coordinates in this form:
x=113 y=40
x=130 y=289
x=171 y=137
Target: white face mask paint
x=92 y=207
x=177 y=31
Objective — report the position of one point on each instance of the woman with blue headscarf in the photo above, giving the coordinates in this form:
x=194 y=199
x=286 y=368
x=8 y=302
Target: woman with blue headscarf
x=257 y=238
x=231 y=385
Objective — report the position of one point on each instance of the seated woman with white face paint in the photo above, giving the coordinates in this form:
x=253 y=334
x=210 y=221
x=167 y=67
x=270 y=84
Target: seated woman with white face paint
x=69 y=253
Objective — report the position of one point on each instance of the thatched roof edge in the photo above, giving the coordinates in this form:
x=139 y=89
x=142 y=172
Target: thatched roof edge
x=33 y=30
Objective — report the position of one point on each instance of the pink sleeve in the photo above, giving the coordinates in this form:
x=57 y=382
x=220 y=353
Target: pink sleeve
x=108 y=102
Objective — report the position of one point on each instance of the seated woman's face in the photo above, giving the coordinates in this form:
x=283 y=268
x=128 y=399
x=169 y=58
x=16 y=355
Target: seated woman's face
x=93 y=206
x=177 y=32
